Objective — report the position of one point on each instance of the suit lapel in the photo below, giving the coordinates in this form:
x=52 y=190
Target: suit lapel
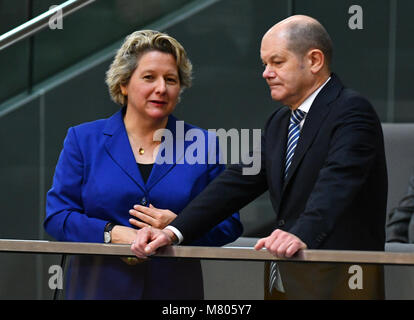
x=119 y=149
x=315 y=117
x=278 y=150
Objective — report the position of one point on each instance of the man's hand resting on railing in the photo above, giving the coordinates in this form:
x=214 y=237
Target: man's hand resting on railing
x=280 y=243
x=149 y=239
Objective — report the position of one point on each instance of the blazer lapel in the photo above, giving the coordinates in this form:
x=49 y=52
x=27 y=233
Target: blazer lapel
x=119 y=149
x=161 y=168
x=314 y=119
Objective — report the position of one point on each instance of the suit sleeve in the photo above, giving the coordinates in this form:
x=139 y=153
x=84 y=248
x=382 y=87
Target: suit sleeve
x=65 y=216
x=226 y=194
x=356 y=139
x=401 y=217
x=228 y=230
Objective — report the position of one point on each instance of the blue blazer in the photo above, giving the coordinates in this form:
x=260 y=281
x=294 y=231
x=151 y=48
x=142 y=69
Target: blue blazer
x=97 y=180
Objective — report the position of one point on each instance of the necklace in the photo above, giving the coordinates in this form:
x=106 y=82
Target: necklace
x=134 y=145
x=141 y=150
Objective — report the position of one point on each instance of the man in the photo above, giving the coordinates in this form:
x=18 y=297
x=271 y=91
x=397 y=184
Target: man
x=323 y=160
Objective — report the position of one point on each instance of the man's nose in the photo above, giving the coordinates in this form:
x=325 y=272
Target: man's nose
x=268 y=73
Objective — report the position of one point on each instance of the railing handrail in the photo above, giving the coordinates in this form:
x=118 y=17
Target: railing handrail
x=36 y=24
x=222 y=253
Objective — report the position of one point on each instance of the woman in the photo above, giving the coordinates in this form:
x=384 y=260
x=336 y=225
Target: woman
x=109 y=166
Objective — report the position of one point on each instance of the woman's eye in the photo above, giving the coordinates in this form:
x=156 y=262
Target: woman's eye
x=172 y=80
x=148 y=77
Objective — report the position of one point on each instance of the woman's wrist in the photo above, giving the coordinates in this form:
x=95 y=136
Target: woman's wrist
x=122 y=234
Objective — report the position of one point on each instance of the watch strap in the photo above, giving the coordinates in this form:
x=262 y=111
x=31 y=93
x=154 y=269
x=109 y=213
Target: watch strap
x=107 y=232
x=109 y=226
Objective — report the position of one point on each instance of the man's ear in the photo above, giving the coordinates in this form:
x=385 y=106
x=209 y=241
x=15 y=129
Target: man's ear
x=316 y=60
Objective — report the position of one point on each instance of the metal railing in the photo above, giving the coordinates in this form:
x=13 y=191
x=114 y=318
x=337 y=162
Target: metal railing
x=223 y=253
x=40 y=22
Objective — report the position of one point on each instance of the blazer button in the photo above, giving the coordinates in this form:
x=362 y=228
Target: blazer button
x=281 y=223
x=144 y=201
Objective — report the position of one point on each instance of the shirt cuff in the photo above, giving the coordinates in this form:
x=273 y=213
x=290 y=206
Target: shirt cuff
x=177 y=232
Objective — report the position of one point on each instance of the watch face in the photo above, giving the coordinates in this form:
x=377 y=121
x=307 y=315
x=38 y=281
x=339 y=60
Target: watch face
x=107 y=237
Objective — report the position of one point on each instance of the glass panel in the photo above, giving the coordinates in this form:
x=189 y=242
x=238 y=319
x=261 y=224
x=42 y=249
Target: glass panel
x=84 y=32
x=404 y=73
x=14 y=59
x=25 y=276
x=161 y=278
x=90 y=29
x=12 y=14
x=19 y=172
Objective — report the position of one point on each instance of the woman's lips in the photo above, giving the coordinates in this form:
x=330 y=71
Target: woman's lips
x=158 y=103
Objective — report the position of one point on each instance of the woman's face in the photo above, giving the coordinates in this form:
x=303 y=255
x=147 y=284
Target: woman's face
x=154 y=87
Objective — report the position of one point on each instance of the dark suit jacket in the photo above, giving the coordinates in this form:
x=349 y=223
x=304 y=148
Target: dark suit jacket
x=335 y=193
x=97 y=180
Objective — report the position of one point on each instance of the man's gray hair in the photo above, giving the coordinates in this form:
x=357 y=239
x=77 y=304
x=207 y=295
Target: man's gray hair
x=310 y=35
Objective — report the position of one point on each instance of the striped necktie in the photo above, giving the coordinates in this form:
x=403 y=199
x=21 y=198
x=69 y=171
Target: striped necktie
x=293 y=137
x=297 y=116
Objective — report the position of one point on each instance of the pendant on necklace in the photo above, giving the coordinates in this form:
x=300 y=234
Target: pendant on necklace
x=141 y=151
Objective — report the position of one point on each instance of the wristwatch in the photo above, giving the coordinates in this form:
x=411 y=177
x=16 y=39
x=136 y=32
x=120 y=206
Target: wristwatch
x=107 y=232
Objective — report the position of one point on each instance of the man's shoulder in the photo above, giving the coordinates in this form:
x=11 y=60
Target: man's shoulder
x=344 y=94
x=352 y=94
x=335 y=92
x=350 y=100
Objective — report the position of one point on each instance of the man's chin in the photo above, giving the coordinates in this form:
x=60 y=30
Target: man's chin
x=277 y=96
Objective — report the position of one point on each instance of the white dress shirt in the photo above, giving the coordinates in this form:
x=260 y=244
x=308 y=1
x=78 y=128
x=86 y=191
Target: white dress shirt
x=306 y=105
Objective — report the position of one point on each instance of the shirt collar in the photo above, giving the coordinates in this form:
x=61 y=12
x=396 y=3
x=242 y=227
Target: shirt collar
x=306 y=105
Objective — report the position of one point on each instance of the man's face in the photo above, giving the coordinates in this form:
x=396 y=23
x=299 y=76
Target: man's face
x=287 y=74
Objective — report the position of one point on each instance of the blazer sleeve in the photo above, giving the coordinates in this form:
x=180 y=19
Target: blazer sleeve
x=66 y=219
x=355 y=143
x=229 y=192
x=402 y=217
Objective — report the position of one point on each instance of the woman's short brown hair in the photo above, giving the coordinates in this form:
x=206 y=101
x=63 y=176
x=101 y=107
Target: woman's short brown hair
x=127 y=59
